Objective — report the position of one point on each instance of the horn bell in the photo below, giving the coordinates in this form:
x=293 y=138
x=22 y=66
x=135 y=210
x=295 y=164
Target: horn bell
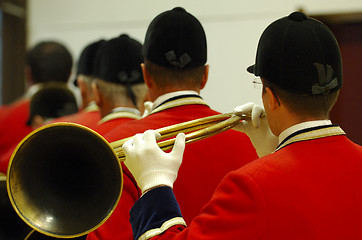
x=64 y=180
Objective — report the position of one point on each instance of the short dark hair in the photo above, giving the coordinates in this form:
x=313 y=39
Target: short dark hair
x=164 y=76
x=304 y=104
x=49 y=61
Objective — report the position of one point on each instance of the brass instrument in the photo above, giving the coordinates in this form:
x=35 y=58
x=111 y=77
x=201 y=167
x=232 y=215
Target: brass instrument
x=65 y=180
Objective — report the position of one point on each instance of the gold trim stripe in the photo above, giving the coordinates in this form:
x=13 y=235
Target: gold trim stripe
x=91 y=108
x=314 y=134
x=166 y=225
x=179 y=102
x=116 y=115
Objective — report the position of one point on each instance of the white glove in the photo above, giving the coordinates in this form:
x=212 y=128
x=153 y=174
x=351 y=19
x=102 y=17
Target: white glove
x=257 y=128
x=147 y=108
x=150 y=165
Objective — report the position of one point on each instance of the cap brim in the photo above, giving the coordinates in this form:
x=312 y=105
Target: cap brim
x=251 y=69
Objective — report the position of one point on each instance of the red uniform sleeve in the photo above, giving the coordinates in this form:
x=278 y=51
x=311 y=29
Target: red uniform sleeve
x=236 y=211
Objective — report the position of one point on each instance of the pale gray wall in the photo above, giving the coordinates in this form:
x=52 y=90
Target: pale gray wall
x=232 y=27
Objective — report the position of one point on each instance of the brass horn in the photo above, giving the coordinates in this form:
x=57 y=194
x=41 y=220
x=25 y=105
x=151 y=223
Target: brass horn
x=65 y=180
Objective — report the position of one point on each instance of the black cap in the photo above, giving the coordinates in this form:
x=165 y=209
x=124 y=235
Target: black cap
x=52 y=101
x=86 y=59
x=119 y=61
x=299 y=54
x=176 y=39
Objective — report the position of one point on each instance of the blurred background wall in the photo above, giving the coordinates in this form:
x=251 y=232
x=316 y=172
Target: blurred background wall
x=232 y=27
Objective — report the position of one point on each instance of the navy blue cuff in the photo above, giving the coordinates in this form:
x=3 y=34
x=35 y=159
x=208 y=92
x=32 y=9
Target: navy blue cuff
x=153 y=209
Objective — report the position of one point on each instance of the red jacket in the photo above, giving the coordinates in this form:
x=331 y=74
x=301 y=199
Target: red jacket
x=305 y=190
x=3 y=111
x=13 y=127
x=205 y=163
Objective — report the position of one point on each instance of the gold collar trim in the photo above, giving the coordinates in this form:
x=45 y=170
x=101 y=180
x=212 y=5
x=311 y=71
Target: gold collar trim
x=116 y=115
x=312 y=133
x=179 y=102
x=92 y=107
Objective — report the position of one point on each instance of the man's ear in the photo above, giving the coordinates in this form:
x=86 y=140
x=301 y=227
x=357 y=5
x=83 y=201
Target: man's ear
x=272 y=99
x=146 y=75
x=96 y=94
x=81 y=86
x=205 y=76
x=37 y=121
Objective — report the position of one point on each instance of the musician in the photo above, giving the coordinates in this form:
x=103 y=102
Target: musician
x=53 y=100
x=47 y=61
x=309 y=188
x=119 y=87
x=175 y=72
x=89 y=114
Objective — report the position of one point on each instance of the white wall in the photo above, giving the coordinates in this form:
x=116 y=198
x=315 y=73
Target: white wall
x=232 y=27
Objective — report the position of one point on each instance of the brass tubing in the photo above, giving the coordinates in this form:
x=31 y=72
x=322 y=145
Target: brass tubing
x=173 y=130
x=212 y=129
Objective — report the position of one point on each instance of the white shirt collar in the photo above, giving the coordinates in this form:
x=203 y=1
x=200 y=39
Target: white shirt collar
x=301 y=126
x=32 y=90
x=167 y=96
x=126 y=109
